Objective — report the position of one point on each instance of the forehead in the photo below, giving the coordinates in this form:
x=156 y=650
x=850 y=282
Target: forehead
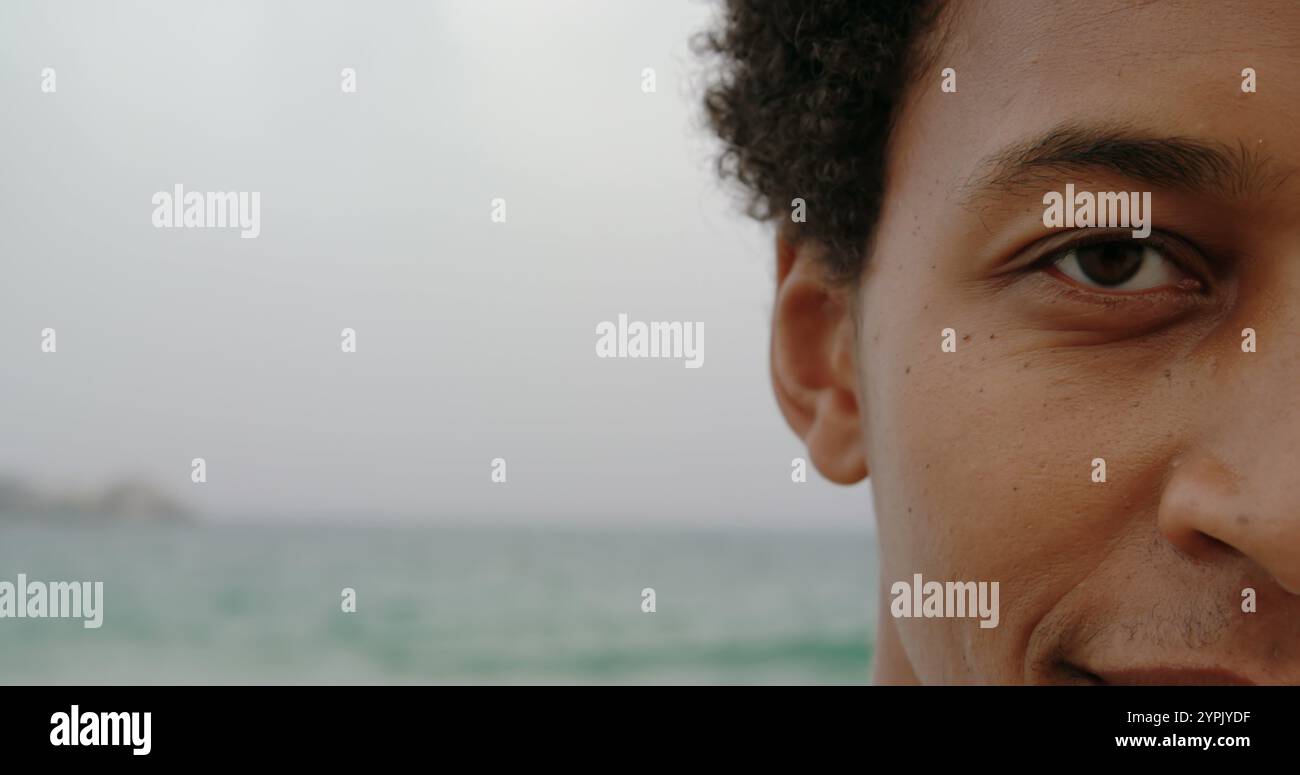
x=1168 y=67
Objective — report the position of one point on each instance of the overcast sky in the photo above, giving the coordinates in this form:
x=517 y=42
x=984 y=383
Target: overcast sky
x=475 y=340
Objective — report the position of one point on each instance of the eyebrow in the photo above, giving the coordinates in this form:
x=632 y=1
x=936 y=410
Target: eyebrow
x=1164 y=162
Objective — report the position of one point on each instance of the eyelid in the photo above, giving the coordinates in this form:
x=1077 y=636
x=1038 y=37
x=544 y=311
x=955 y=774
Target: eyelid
x=1185 y=256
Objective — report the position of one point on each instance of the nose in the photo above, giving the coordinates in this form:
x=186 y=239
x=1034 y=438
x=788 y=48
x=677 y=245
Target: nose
x=1236 y=487
x=1210 y=507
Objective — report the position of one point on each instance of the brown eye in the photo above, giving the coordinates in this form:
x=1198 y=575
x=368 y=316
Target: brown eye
x=1110 y=263
x=1122 y=266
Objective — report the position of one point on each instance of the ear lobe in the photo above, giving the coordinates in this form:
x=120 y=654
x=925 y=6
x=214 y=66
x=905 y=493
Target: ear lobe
x=813 y=363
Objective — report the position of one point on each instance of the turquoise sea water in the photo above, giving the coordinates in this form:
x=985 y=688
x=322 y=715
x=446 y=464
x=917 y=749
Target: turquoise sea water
x=185 y=604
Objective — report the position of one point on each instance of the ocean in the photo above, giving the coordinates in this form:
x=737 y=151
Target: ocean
x=188 y=604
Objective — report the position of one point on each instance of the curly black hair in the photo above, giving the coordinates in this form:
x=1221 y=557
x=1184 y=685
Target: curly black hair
x=803 y=94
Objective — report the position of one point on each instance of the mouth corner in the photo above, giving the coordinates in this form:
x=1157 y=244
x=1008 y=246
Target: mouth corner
x=1074 y=675
x=1165 y=675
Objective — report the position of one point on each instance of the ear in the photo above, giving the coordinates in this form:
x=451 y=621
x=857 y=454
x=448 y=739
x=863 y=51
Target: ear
x=813 y=364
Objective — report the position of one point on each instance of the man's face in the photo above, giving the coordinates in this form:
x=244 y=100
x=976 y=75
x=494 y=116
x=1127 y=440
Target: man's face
x=982 y=459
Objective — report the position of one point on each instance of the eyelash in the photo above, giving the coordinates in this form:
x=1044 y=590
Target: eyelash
x=1167 y=246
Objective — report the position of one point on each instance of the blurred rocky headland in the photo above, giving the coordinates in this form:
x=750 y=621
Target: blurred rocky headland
x=129 y=499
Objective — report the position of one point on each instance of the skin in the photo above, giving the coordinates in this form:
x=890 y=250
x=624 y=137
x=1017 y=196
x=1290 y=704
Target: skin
x=981 y=460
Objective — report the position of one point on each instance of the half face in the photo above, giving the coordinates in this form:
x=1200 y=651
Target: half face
x=1080 y=344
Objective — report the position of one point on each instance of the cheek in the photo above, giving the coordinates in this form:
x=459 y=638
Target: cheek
x=982 y=470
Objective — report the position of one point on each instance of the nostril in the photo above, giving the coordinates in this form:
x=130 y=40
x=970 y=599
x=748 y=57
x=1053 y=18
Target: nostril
x=1290 y=586
x=1215 y=544
x=1203 y=545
